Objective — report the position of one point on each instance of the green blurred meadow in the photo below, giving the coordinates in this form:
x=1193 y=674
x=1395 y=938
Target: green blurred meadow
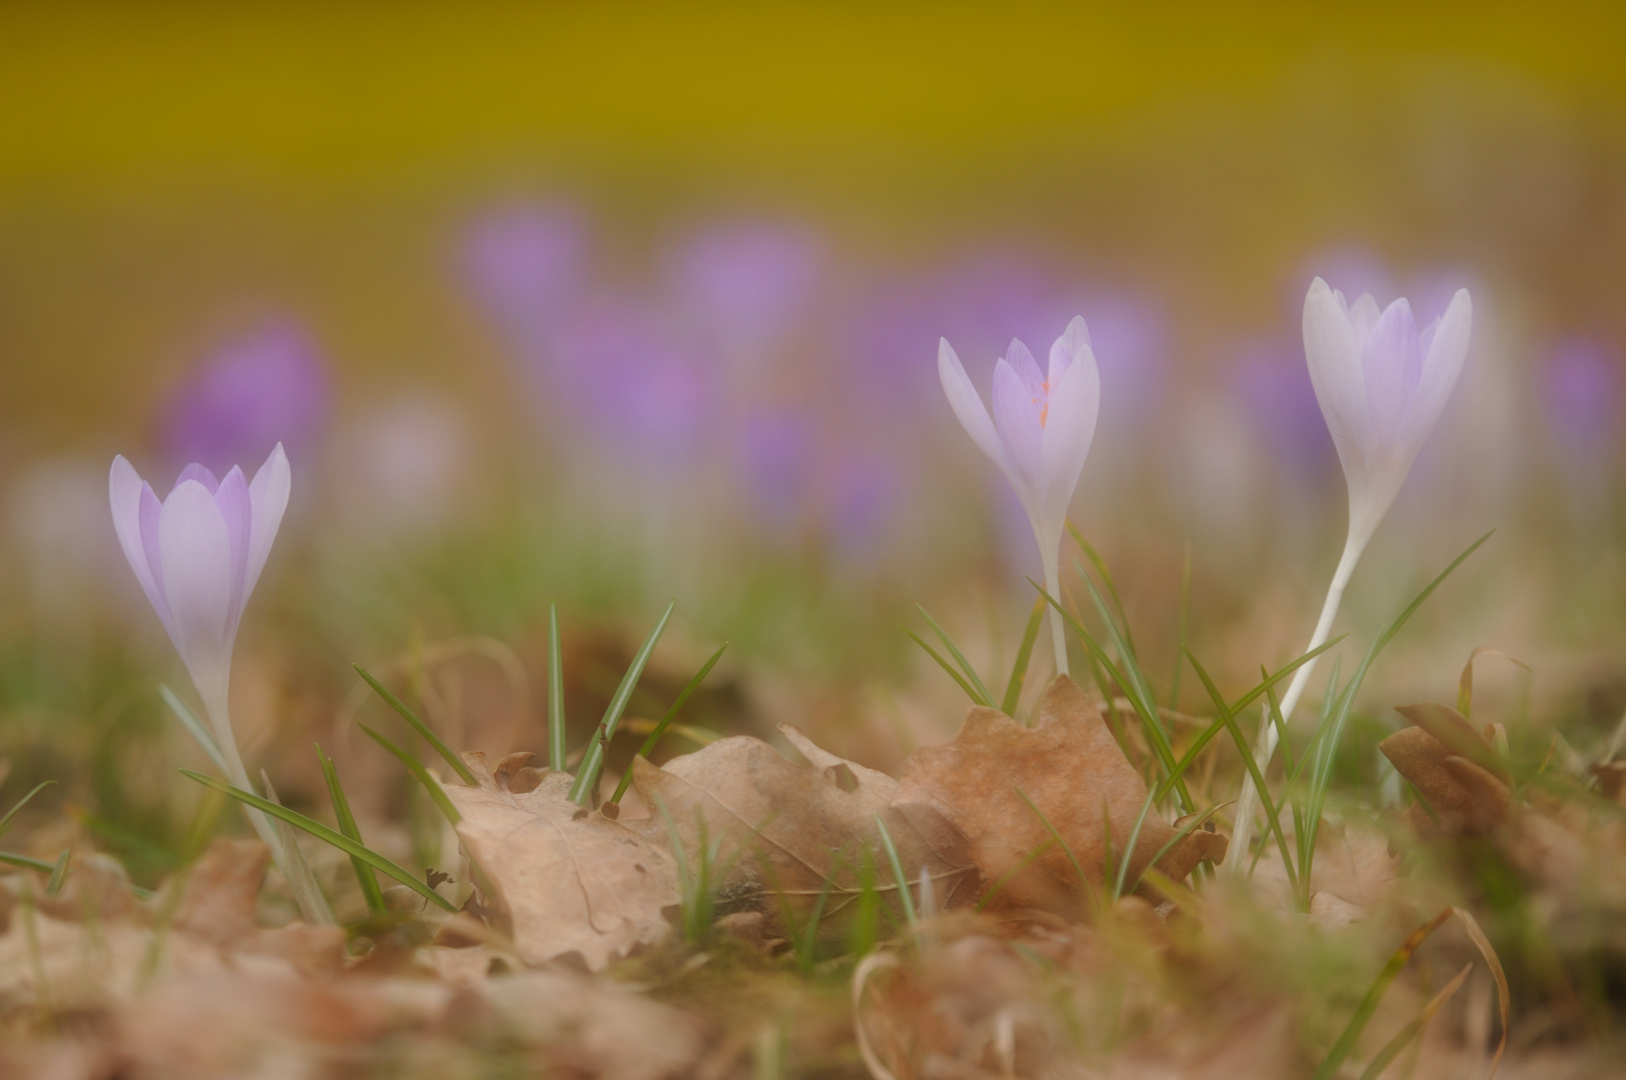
x=787 y=205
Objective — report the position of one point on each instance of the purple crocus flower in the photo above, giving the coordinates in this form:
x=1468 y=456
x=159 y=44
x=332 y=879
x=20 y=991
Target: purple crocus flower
x=267 y=389
x=1581 y=385
x=748 y=278
x=524 y=262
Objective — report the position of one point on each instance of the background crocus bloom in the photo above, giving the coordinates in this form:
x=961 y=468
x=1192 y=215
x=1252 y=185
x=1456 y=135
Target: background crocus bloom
x=1039 y=434
x=1381 y=383
x=197 y=555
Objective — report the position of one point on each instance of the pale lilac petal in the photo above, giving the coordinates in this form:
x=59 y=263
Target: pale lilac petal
x=232 y=498
x=967 y=405
x=1443 y=356
x=1075 y=403
x=1363 y=315
x=1333 y=354
x=1017 y=418
x=268 y=498
x=196 y=552
x=125 y=489
x=151 y=512
x=1066 y=348
x=202 y=475
x=1390 y=365
x=1027 y=368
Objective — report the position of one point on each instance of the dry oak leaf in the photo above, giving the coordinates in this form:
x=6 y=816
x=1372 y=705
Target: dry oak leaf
x=1454 y=767
x=569 y=881
x=1076 y=776
x=788 y=833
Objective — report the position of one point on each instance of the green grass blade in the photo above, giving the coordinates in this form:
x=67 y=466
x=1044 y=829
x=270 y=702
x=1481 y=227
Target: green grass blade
x=415 y=767
x=423 y=729
x=323 y=833
x=1118 y=879
x=983 y=695
x=347 y=825
x=970 y=691
x=1100 y=565
x=1374 y=995
x=197 y=728
x=1184 y=627
x=1151 y=722
x=1005 y=879
x=1067 y=849
x=1024 y=654
x=593 y=761
x=557 y=752
x=59 y=874
x=1228 y=717
x=5 y=822
x=1185 y=830
x=666 y=721
x=898 y=874
x=1274 y=709
x=11 y=858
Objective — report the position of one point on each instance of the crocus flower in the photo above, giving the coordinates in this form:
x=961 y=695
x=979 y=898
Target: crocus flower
x=749 y=278
x=1381 y=383
x=198 y=555
x=1039 y=434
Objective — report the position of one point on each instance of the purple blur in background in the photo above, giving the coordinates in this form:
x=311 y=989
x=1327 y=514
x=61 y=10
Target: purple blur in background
x=748 y=280
x=525 y=262
x=1274 y=384
x=1581 y=384
x=253 y=393
x=777 y=449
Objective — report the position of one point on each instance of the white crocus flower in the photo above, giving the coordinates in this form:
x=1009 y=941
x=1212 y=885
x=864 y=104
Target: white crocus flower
x=1381 y=383
x=198 y=554
x=1039 y=435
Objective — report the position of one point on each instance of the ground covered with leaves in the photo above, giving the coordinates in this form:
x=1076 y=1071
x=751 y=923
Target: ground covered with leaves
x=1015 y=903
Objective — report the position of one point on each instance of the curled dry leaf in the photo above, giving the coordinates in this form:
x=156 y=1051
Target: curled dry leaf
x=568 y=881
x=787 y=833
x=1075 y=775
x=1455 y=768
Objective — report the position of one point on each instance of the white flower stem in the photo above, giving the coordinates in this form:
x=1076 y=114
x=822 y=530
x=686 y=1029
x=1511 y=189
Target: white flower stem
x=1050 y=555
x=1247 y=804
x=215 y=704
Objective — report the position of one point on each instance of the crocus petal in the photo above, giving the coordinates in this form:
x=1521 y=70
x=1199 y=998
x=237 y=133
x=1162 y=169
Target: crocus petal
x=1074 y=406
x=202 y=475
x=1363 y=315
x=1074 y=340
x=268 y=498
x=1027 y=369
x=151 y=512
x=196 y=552
x=232 y=498
x=125 y=489
x=1443 y=355
x=1016 y=416
x=1390 y=365
x=967 y=405
x=1334 y=357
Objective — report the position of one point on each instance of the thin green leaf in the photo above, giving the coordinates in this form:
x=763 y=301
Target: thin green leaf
x=423 y=729
x=11 y=858
x=1100 y=565
x=593 y=762
x=983 y=695
x=347 y=825
x=970 y=691
x=1005 y=879
x=557 y=751
x=415 y=767
x=671 y=714
x=197 y=728
x=1067 y=849
x=898 y=875
x=59 y=874
x=1228 y=717
x=5 y=822
x=1168 y=845
x=1374 y=995
x=322 y=832
x=1024 y=653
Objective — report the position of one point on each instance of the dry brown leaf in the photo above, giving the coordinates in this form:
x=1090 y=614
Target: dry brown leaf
x=569 y=881
x=1076 y=776
x=222 y=891
x=786 y=832
x=1467 y=798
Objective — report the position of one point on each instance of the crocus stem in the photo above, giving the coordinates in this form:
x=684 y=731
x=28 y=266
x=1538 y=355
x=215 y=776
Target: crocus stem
x=1237 y=856
x=1050 y=555
x=220 y=719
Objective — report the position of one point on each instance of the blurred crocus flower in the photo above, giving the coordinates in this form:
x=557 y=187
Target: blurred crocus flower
x=198 y=555
x=1039 y=435
x=524 y=261
x=1582 y=383
x=748 y=278
x=268 y=388
x=1381 y=383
